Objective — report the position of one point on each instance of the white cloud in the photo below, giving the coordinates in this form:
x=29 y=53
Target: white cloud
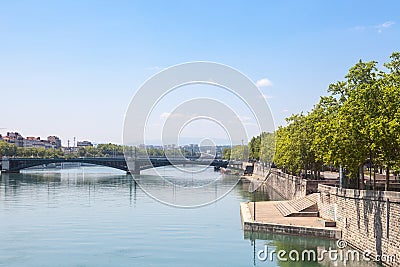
x=264 y=82
x=384 y=25
x=379 y=27
x=285 y=111
x=358 y=28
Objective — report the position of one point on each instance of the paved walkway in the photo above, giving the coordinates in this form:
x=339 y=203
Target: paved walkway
x=269 y=219
x=266 y=212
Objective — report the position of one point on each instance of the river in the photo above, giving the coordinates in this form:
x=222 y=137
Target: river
x=96 y=216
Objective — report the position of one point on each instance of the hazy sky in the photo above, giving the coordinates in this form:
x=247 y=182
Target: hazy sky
x=70 y=68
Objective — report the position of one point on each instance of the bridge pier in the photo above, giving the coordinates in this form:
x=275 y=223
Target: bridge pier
x=5 y=165
x=136 y=169
x=137 y=172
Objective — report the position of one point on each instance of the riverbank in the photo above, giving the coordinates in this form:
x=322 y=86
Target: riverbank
x=269 y=219
x=269 y=216
x=367 y=220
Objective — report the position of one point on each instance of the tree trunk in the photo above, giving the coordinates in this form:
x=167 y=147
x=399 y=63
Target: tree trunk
x=358 y=179
x=362 y=177
x=374 y=187
x=387 y=179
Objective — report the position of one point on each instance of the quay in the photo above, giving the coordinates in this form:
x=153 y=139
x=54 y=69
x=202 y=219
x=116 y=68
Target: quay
x=295 y=217
x=270 y=220
x=367 y=220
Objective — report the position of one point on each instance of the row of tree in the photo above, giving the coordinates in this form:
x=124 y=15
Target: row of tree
x=7 y=149
x=101 y=150
x=260 y=147
x=356 y=125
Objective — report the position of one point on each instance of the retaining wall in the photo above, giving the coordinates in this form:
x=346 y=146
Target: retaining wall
x=288 y=186
x=368 y=220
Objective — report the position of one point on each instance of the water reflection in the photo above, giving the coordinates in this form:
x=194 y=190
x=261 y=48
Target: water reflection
x=270 y=244
x=14 y=184
x=263 y=193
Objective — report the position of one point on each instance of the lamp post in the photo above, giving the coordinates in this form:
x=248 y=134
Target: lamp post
x=254 y=206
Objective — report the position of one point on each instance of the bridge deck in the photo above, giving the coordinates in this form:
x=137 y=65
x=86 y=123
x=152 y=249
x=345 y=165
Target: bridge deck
x=17 y=164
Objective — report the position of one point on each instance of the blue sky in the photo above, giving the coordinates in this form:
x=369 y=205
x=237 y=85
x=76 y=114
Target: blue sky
x=70 y=68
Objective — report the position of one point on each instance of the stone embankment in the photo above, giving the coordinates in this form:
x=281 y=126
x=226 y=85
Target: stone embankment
x=366 y=220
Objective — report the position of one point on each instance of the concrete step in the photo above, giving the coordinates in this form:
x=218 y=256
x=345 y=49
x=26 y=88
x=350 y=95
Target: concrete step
x=304 y=203
x=306 y=206
x=284 y=209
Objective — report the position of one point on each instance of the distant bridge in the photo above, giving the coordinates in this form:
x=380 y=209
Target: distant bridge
x=14 y=165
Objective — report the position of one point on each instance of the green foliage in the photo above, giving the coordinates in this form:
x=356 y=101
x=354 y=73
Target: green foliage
x=11 y=150
x=360 y=119
x=294 y=145
x=7 y=149
x=268 y=147
x=240 y=152
x=254 y=147
x=226 y=153
x=262 y=147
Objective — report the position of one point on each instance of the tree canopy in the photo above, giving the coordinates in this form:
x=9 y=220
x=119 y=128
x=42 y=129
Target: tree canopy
x=357 y=122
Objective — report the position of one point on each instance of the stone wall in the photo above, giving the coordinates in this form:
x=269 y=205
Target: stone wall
x=368 y=220
x=288 y=186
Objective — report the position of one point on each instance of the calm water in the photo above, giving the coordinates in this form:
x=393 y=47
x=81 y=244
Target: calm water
x=98 y=217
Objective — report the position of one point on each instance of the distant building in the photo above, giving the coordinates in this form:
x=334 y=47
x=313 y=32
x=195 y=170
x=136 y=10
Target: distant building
x=36 y=142
x=14 y=135
x=14 y=138
x=55 y=141
x=31 y=138
x=32 y=142
x=193 y=149
x=69 y=150
x=84 y=144
x=170 y=147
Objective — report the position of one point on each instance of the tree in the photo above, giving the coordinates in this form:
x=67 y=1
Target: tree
x=240 y=152
x=358 y=122
x=7 y=149
x=226 y=153
x=268 y=147
x=254 y=147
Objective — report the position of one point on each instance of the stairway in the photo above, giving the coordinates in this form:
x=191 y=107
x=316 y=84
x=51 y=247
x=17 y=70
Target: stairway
x=303 y=207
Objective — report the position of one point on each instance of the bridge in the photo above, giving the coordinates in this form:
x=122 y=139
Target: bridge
x=14 y=165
